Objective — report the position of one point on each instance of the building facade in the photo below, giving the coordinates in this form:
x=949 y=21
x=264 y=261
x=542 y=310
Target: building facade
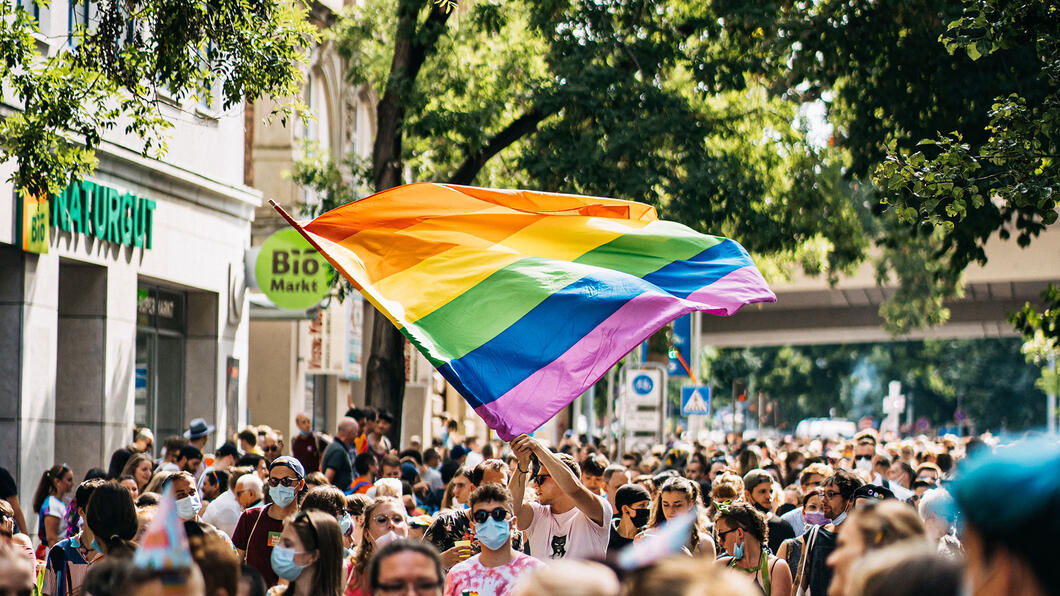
x=134 y=310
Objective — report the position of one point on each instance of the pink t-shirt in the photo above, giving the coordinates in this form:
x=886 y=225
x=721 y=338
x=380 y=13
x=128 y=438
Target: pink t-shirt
x=471 y=577
x=570 y=535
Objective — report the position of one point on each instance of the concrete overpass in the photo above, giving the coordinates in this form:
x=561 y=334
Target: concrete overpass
x=809 y=311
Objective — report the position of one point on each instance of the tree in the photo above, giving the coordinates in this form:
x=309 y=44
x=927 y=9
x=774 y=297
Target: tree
x=591 y=98
x=115 y=74
x=937 y=376
x=950 y=108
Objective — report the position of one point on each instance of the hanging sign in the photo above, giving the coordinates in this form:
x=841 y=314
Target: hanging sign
x=291 y=272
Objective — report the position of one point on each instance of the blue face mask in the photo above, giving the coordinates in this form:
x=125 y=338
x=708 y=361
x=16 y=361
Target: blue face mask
x=345 y=523
x=282 y=495
x=840 y=519
x=95 y=546
x=737 y=552
x=492 y=533
x=283 y=564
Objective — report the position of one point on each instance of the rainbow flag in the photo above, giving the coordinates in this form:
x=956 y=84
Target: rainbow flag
x=523 y=299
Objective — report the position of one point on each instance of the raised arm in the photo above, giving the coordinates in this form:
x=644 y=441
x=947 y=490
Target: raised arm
x=517 y=484
x=590 y=504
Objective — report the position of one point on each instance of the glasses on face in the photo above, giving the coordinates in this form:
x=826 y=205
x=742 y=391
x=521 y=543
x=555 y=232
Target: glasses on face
x=286 y=481
x=722 y=535
x=831 y=494
x=398 y=587
x=397 y=519
x=271 y=448
x=498 y=514
x=540 y=479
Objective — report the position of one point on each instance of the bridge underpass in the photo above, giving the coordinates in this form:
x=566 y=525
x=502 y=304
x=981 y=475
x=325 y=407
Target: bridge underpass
x=809 y=311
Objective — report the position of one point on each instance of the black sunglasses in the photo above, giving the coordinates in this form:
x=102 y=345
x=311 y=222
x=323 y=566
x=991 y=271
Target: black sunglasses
x=498 y=514
x=287 y=481
x=540 y=479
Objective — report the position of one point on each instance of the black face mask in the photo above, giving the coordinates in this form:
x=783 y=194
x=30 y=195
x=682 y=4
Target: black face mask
x=640 y=517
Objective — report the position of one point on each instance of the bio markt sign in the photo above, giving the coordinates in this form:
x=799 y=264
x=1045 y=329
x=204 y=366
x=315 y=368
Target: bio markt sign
x=291 y=272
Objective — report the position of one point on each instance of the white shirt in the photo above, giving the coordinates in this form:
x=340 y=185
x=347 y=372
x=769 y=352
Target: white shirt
x=900 y=492
x=223 y=512
x=570 y=535
x=473 y=459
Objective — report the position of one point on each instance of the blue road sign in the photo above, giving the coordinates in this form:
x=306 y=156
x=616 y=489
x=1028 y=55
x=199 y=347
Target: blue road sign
x=643 y=384
x=695 y=400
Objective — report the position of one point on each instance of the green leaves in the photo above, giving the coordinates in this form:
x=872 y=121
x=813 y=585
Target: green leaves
x=189 y=50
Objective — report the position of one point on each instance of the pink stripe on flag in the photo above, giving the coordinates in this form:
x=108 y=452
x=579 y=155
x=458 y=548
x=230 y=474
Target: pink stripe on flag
x=537 y=398
x=727 y=295
x=548 y=390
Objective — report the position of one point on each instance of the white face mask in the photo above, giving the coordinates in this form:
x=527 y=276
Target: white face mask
x=863 y=465
x=386 y=539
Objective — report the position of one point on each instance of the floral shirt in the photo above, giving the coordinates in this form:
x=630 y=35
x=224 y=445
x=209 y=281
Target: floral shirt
x=472 y=578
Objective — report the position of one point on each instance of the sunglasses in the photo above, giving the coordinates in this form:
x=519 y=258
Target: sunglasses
x=286 y=481
x=271 y=448
x=722 y=535
x=498 y=514
x=397 y=519
x=540 y=479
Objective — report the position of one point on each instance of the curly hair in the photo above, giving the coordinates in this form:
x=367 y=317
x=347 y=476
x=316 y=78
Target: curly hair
x=744 y=515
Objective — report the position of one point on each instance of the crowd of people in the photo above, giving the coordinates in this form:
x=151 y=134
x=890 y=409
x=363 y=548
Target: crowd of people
x=347 y=513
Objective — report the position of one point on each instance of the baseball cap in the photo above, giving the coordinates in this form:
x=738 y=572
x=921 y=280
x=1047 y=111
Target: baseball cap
x=289 y=462
x=458 y=452
x=873 y=491
x=755 y=477
x=628 y=494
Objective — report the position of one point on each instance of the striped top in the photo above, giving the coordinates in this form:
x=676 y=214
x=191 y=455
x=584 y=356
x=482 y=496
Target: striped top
x=523 y=299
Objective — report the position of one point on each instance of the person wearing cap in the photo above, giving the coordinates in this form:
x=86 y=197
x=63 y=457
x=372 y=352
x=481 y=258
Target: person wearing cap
x=258 y=529
x=867 y=460
x=198 y=432
x=758 y=490
x=633 y=506
x=197 y=435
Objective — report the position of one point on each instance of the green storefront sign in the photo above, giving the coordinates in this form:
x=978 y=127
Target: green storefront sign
x=111 y=216
x=291 y=272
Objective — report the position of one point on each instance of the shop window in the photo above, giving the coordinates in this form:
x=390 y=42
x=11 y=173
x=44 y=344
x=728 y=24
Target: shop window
x=160 y=346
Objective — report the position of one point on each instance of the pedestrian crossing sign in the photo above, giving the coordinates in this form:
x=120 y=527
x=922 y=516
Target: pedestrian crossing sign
x=695 y=400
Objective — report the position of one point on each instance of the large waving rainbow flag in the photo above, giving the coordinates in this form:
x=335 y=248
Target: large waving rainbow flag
x=523 y=299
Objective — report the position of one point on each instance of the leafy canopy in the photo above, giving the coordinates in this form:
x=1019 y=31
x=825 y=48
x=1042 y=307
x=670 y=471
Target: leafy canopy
x=137 y=60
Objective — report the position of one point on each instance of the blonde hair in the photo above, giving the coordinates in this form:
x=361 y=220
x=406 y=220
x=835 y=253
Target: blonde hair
x=569 y=578
x=886 y=522
x=683 y=576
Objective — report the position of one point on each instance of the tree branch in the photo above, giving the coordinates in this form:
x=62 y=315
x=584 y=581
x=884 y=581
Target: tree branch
x=520 y=127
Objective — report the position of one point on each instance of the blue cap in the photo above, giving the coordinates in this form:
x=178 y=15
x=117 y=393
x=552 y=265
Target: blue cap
x=289 y=462
x=458 y=452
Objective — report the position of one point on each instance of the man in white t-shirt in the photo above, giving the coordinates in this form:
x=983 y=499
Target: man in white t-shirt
x=569 y=521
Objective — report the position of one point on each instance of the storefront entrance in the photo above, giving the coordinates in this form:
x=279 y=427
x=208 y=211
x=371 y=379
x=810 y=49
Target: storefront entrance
x=161 y=316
